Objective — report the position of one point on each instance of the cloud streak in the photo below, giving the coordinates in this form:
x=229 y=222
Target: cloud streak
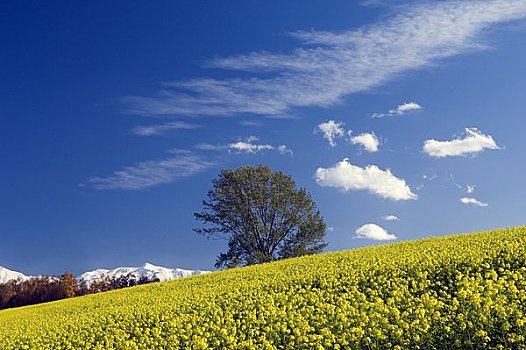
x=247 y=145
x=349 y=177
x=327 y=66
x=151 y=173
x=151 y=130
x=473 y=142
x=473 y=201
x=399 y=110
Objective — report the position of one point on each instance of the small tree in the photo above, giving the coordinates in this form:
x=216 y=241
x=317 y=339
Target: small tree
x=68 y=285
x=263 y=216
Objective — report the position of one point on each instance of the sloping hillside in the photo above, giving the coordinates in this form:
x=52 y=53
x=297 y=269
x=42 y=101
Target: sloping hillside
x=465 y=291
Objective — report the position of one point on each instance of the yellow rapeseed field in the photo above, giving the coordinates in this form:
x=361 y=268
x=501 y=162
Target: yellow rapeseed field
x=466 y=291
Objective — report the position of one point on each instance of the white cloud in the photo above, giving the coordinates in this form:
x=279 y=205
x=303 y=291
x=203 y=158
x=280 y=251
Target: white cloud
x=390 y=218
x=247 y=145
x=330 y=65
x=150 y=130
x=331 y=129
x=399 y=110
x=350 y=177
x=210 y=147
x=151 y=173
x=473 y=142
x=374 y=232
x=473 y=201
x=243 y=146
x=282 y=149
x=251 y=123
x=470 y=188
x=430 y=177
x=454 y=182
x=369 y=141
x=406 y=107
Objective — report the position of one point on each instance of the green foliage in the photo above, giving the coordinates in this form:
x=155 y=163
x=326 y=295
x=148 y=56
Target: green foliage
x=459 y=292
x=263 y=215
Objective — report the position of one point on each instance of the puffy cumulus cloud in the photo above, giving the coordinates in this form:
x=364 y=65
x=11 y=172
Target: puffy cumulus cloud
x=374 y=232
x=368 y=140
x=326 y=66
x=406 y=107
x=391 y=218
x=330 y=130
x=399 y=110
x=348 y=177
x=152 y=172
x=473 y=201
x=473 y=142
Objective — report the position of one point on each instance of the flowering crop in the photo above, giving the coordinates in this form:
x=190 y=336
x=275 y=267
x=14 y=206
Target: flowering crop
x=466 y=291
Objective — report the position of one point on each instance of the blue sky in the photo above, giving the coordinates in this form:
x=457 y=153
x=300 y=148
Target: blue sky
x=117 y=116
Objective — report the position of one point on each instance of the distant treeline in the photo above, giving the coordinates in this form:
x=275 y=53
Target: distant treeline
x=49 y=288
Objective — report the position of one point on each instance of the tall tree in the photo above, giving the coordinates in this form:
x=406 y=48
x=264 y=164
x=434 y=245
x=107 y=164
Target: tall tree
x=263 y=216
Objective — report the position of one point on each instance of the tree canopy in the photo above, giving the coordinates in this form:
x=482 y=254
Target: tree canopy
x=263 y=216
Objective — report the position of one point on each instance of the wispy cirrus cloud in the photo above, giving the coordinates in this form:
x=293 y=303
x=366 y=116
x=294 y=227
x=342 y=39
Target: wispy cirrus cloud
x=151 y=130
x=472 y=143
x=330 y=65
x=151 y=173
x=399 y=110
x=251 y=123
x=385 y=3
x=349 y=177
x=247 y=145
x=374 y=232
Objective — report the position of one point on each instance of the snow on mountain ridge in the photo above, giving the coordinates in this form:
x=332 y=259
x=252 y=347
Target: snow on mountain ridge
x=147 y=270
x=7 y=275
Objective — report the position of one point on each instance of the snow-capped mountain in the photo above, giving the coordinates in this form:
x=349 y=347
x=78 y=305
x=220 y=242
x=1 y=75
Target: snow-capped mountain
x=147 y=270
x=7 y=275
